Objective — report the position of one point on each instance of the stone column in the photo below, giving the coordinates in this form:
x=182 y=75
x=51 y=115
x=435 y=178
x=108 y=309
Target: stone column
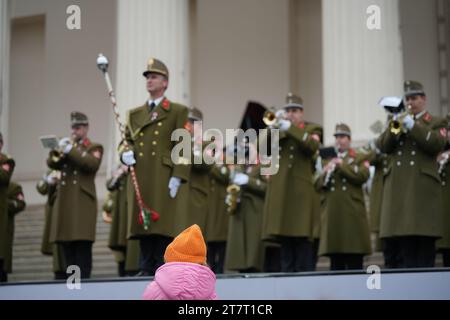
x=360 y=64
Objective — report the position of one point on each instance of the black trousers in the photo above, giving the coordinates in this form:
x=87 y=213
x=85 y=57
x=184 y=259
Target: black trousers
x=391 y=252
x=3 y=274
x=315 y=252
x=445 y=257
x=296 y=254
x=346 y=261
x=78 y=253
x=272 y=259
x=417 y=251
x=216 y=255
x=152 y=252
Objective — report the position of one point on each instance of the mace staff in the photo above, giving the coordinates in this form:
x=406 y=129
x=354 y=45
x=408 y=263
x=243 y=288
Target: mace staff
x=145 y=212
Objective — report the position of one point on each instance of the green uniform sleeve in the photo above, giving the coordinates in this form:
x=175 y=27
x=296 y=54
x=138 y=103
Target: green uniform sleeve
x=256 y=185
x=305 y=139
x=85 y=160
x=6 y=171
x=217 y=175
x=429 y=140
x=387 y=141
x=16 y=200
x=356 y=173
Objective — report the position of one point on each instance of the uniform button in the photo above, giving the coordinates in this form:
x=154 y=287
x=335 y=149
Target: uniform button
x=156 y=132
x=401 y=143
x=385 y=170
x=154 y=143
x=63 y=183
x=75 y=172
x=443 y=183
x=411 y=163
x=141 y=154
x=141 y=144
x=413 y=143
x=159 y=124
x=332 y=189
x=291 y=156
x=385 y=162
x=63 y=174
x=344 y=188
x=141 y=134
x=291 y=147
x=153 y=153
x=333 y=181
x=413 y=153
x=289 y=165
x=74 y=181
x=399 y=163
x=344 y=180
x=399 y=153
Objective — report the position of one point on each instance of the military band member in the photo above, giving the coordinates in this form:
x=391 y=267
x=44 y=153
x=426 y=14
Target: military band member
x=75 y=210
x=345 y=236
x=411 y=210
x=245 y=249
x=7 y=165
x=47 y=187
x=216 y=230
x=117 y=187
x=16 y=204
x=194 y=194
x=149 y=129
x=443 y=244
x=289 y=204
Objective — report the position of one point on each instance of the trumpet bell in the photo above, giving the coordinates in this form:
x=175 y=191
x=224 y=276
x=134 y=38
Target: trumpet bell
x=396 y=127
x=269 y=118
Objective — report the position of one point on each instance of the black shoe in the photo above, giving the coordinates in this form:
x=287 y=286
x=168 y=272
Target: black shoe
x=142 y=273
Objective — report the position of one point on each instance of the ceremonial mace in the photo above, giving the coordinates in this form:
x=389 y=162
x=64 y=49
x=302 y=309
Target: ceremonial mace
x=145 y=212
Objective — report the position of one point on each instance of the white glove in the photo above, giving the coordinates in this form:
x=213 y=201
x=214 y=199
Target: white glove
x=174 y=184
x=128 y=158
x=240 y=179
x=51 y=180
x=65 y=145
x=284 y=124
x=408 y=122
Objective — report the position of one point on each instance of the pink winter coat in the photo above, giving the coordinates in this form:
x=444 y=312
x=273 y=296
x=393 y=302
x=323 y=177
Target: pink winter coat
x=182 y=281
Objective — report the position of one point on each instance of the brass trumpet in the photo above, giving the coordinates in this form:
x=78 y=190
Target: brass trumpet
x=57 y=154
x=271 y=117
x=396 y=126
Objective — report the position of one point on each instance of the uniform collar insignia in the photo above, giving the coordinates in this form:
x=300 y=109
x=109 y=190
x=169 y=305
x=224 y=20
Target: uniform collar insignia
x=351 y=153
x=427 y=117
x=301 y=125
x=86 y=142
x=166 y=104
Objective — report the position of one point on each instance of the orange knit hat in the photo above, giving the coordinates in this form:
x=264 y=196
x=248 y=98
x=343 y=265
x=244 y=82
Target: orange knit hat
x=188 y=246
